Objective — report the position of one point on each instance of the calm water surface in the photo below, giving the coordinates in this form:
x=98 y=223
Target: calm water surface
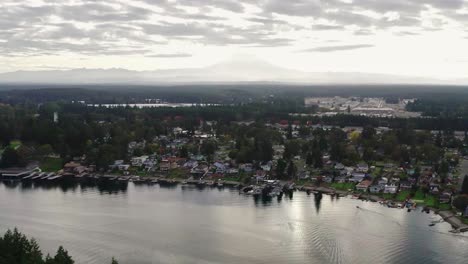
x=152 y=224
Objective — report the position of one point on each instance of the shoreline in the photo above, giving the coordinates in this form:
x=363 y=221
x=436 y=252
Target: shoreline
x=447 y=216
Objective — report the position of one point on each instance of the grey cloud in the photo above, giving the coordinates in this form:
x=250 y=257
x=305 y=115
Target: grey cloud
x=215 y=33
x=30 y=30
x=338 y=48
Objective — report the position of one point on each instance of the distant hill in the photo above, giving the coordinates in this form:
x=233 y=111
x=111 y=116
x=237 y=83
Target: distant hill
x=233 y=71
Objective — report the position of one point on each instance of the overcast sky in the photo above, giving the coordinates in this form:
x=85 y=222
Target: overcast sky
x=405 y=37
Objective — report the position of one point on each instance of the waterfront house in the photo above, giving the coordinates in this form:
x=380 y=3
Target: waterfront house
x=363 y=185
x=260 y=175
x=219 y=167
x=362 y=167
x=189 y=164
x=123 y=167
x=339 y=166
x=406 y=185
x=391 y=188
x=200 y=170
x=357 y=177
x=232 y=171
x=138 y=161
x=340 y=179
x=377 y=188
x=434 y=188
x=165 y=165
x=246 y=167
x=445 y=197
x=305 y=175
x=383 y=181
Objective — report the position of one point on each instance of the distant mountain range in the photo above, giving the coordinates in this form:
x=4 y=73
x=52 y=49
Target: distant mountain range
x=234 y=71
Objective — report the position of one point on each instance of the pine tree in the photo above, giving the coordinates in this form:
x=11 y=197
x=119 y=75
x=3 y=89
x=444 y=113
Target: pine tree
x=464 y=189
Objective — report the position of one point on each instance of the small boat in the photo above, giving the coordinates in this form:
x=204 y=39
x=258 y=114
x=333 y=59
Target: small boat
x=357 y=206
x=432 y=224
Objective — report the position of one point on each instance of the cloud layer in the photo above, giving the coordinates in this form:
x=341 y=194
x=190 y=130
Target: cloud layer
x=126 y=27
x=176 y=29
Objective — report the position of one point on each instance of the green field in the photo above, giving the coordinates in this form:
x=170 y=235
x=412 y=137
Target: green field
x=177 y=174
x=419 y=195
x=343 y=186
x=401 y=196
x=430 y=201
x=51 y=164
x=445 y=206
x=387 y=196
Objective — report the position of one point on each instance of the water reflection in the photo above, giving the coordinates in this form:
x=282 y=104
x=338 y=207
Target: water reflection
x=152 y=223
x=104 y=187
x=317 y=202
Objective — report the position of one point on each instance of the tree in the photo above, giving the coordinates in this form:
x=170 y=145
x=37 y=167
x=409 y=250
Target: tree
x=368 y=132
x=183 y=152
x=289 y=132
x=309 y=159
x=61 y=257
x=464 y=189
x=280 y=168
x=10 y=158
x=114 y=261
x=461 y=202
x=292 y=170
x=208 y=147
x=15 y=248
x=317 y=157
x=44 y=150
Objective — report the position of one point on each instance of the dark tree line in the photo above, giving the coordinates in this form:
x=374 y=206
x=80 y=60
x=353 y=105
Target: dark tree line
x=16 y=248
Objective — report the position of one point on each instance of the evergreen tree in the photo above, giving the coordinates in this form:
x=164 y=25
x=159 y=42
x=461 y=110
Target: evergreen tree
x=309 y=159
x=292 y=170
x=464 y=189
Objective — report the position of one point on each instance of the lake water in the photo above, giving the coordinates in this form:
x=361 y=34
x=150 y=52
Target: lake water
x=151 y=224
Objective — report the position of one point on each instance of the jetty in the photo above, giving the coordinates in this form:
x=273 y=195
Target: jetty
x=453 y=220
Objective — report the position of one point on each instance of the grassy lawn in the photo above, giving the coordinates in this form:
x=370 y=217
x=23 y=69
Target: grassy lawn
x=430 y=201
x=445 y=206
x=343 y=186
x=177 y=174
x=51 y=164
x=387 y=196
x=419 y=195
x=401 y=196
x=377 y=171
